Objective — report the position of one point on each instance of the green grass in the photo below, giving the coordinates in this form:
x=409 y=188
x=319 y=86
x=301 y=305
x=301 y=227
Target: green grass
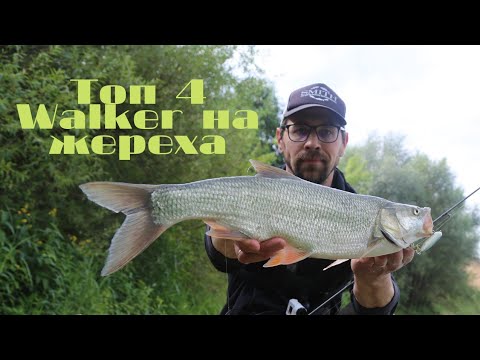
x=44 y=271
x=468 y=304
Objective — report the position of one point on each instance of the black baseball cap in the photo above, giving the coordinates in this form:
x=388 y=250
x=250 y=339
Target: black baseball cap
x=316 y=95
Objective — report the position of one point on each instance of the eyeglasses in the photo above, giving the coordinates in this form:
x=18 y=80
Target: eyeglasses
x=325 y=133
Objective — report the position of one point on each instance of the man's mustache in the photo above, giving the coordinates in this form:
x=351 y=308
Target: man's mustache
x=312 y=155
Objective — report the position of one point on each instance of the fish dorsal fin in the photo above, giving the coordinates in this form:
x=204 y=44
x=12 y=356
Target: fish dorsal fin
x=269 y=171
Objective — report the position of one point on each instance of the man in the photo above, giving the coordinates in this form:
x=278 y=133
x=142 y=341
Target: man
x=312 y=139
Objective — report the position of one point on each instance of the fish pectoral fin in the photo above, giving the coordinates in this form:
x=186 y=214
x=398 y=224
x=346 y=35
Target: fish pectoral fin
x=227 y=234
x=390 y=229
x=392 y=239
x=371 y=248
x=273 y=172
x=288 y=255
x=378 y=245
x=335 y=263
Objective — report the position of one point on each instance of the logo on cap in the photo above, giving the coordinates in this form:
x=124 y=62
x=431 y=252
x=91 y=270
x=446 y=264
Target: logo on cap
x=319 y=93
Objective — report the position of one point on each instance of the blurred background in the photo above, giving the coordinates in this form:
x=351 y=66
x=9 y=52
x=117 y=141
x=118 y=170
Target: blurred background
x=411 y=119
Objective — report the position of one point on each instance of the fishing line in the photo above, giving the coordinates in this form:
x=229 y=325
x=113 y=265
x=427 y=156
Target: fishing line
x=331 y=297
x=443 y=222
x=226 y=275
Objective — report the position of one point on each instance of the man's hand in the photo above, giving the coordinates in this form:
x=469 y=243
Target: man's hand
x=372 y=268
x=250 y=251
x=373 y=284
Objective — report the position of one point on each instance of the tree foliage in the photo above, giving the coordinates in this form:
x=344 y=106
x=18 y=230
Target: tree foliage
x=53 y=240
x=384 y=167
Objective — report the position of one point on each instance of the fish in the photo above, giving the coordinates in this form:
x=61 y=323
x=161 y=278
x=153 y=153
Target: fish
x=315 y=220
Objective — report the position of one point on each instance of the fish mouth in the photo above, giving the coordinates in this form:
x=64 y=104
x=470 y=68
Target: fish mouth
x=427 y=225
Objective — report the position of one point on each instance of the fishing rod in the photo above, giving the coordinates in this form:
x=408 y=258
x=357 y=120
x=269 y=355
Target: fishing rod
x=426 y=244
x=438 y=223
x=443 y=218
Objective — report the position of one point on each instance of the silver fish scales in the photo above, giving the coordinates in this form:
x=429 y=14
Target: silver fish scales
x=323 y=221
x=316 y=221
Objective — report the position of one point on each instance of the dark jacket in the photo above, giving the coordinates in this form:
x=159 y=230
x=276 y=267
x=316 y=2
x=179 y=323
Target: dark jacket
x=253 y=289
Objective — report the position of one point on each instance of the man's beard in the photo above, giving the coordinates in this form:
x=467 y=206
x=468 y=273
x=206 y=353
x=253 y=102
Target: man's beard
x=318 y=176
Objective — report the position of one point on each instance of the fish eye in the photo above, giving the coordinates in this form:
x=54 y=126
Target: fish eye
x=416 y=211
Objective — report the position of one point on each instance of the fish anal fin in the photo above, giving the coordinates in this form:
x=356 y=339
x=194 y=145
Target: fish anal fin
x=220 y=231
x=215 y=225
x=288 y=255
x=269 y=171
x=227 y=234
x=335 y=263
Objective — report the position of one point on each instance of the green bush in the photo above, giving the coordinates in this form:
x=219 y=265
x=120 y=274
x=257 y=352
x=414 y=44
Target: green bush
x=54 y=240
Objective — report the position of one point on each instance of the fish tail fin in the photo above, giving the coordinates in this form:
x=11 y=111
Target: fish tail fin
x=138 y=230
